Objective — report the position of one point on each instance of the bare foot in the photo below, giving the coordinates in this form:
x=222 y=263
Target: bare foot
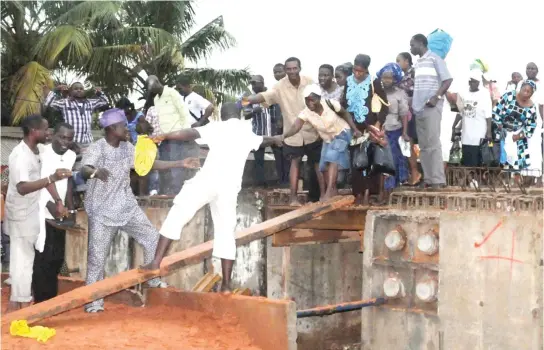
x=366 y=199
x=152 y=266
x=359 y=199
x=415 y=179
x=225 y=289
x=329 y=195
x=295 y=203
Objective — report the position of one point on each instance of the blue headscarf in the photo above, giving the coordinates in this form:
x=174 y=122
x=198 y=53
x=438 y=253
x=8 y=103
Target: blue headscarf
x=531 y=83
x=395 y=69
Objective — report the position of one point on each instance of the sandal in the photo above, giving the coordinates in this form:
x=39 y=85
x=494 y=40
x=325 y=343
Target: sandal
x=93 y=309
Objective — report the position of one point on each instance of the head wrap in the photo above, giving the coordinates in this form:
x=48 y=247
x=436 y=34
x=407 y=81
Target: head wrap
x=479 y=64
x=475 y=74
x=395 y=69
x=112 y=116
x=531 y=83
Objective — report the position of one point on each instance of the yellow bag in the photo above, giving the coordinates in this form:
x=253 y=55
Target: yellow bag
x=145 y=154
x=21 y=329
x=377 y=102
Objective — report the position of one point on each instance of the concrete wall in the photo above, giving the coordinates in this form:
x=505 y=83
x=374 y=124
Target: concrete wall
x=489 y=282
x=125 y=253
x=320 y=274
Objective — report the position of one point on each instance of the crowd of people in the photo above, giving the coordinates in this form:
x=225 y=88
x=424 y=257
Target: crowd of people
x=340 y=123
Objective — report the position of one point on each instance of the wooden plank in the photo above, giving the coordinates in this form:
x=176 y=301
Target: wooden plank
x=345 y=219
x=207 y=282
x=294 y=236
x=258 y=231
x=127 y=279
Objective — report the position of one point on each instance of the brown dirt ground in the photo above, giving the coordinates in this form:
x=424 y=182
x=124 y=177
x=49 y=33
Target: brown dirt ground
x=124 y=327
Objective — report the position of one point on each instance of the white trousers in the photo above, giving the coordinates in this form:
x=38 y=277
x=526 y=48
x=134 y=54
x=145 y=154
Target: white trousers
x=20 y=267
x=196 y=193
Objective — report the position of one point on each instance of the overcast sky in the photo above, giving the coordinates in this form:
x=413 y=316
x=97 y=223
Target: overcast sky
x=502 y=33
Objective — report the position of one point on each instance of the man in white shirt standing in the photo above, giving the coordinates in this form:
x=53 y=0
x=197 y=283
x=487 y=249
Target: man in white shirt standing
x=199 y=108
x=476 y=120
x=217 y=184
x=23 y=206
x=51 y=240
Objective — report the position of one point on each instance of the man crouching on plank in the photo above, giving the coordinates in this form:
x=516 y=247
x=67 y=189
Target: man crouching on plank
x=109 y=201
x=217 y=184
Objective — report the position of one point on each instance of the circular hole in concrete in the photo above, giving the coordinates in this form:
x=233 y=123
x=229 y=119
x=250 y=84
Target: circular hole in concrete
x=394 y=240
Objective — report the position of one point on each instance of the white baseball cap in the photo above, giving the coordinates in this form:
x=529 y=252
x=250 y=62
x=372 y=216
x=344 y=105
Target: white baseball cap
x=312 y=89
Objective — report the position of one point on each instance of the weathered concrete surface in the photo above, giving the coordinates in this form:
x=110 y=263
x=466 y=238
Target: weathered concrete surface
x=386 y=328
x=271 y=324
x=249 y=270
x=193 y=234
x=490 y=293
x=490 y=282
x=320 y=275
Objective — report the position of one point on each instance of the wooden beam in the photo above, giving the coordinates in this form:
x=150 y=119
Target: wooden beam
x=295 y=236
x=206 y=283
x=127 y=279
x=345 y=219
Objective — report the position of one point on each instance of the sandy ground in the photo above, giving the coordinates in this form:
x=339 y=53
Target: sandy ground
x=125 y=327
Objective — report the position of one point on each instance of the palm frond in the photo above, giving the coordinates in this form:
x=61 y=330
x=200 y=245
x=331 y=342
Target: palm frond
x=224 y=80
x=176 y=17
x=74 y=39
x=212 y=36
x=27 y=90
x=93 y=14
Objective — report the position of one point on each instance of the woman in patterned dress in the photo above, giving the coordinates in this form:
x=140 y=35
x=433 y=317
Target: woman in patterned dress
x=396 y=123
x=356 y=99
x=514 y=117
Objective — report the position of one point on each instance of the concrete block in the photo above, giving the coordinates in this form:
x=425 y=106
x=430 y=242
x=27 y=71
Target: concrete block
x=491 y=281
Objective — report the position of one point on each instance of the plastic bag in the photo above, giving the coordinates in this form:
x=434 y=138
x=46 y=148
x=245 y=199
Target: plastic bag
x=360 y=156
x=456 y=153
x=439 y=42
x=382 y=160
x=491 y=153
x=145 y=154
x=405 y=147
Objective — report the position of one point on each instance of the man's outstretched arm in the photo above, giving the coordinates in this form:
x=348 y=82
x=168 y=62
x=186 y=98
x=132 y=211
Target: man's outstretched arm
x=181 y=135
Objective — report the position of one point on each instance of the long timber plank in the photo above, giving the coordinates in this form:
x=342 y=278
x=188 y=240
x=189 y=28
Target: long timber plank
x=127 y=279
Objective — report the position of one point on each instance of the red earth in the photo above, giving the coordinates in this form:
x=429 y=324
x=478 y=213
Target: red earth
x=124 y=327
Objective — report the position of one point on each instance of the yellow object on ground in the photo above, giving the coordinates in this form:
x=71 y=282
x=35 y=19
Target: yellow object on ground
x=21 y=329
x=145 y=154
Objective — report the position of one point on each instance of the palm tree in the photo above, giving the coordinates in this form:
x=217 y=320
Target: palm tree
x=110 y=42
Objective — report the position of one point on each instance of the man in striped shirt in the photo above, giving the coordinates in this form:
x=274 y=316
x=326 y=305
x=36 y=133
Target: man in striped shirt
x=76 y=109
x=266 y=121
x=432 y=80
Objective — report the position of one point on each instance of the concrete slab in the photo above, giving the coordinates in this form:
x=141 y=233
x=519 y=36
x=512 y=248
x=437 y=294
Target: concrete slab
x=490 y=292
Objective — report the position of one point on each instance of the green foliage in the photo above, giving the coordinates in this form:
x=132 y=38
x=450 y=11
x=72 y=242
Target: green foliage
x=109 y=42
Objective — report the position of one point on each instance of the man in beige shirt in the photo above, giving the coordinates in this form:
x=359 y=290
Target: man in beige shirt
x=288 y=93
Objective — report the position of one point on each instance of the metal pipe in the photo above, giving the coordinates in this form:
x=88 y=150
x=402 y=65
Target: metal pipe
x=343 y=307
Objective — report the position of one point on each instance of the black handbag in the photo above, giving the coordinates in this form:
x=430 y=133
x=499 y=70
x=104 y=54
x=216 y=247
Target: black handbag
x=360 y=156
x=491 y=153
x=382 y=160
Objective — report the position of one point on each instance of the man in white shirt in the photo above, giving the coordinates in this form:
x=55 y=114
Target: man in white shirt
x=51 y=240
x=476 y=120
x=217 y=184
x=23 y=204
x=199 y=108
